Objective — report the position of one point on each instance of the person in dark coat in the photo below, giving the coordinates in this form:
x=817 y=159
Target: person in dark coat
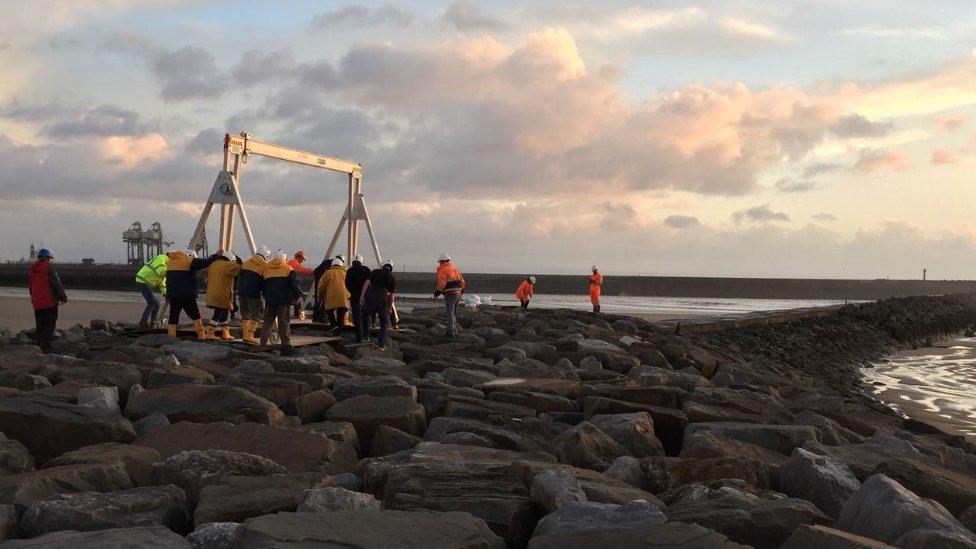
x=181 y=289
x=378 y=297
x=281 y=292
x=356 y=278
x=46 y=292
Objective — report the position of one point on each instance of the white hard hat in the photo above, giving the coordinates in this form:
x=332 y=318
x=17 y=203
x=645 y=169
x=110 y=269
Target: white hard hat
x=191 y=252
x=338 y=262
x=532 y=279
x=265 y=252
x=340 y=257
x=444 y=257
x=282 y=255
x=358 y=257
x=388 y=262
x=230 y=255
x=594 y=268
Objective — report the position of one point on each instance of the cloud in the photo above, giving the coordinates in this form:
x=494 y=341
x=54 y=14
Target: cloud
x=759 y=214
x=787 y=185
x=257 y=67
x=950 y=123
x=188 y=73
x=855 y=125
x=681 y=221
x=824 y=216
x=466 y=16
x=876 y=160
x=897 y=33
x=359 y=16
x=619 y=217
x=101 y=121
x=820 y=168
x=943 y=157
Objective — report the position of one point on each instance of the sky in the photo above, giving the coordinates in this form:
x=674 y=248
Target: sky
x=817 y=138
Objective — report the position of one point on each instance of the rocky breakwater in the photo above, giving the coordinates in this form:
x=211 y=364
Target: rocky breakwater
x=552 y=429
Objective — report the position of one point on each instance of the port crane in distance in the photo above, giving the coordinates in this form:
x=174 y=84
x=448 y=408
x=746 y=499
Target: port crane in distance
x=227 y=194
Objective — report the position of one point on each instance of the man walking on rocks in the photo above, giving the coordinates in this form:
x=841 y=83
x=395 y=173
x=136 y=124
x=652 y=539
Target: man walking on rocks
x=356 y=278
x=181 y=289
x=377 y=298
x=281 y=291
x=524 y=291
x=450 y=282
x=596 y=285
x=46 y=294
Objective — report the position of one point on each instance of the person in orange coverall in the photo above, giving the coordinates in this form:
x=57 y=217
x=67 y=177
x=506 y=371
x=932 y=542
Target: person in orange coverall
x=596 y=282
x=524 y=291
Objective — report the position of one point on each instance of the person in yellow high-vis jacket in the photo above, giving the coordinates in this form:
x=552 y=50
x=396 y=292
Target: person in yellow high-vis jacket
x=150 y=279
x=220 y=293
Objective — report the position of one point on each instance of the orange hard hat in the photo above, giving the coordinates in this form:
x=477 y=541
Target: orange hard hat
x=300 y=254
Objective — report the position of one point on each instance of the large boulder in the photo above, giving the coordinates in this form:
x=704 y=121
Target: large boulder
x=137 y=460
x=276 y=388
x=554 y=488
x=193 y=470
x=177 y=375
x=954 y=490
x=140 y=537
x=14 y=457
x=147 y=506
x=669 y=424
x=884 y=510
x=819 y=536
x=26 y=488
x=661 y=536
x=389 y=440
x=706 y=444
x=587 y=516
x=309 y=407
x=379 y=386
x=320 y=500
x=216 y=535
x=778 y=438
x=237 y=498
x=661 y=474
x=587 y=446
x=634 y=431
x=299 y=450
x=187 y=351
x=112 y=374
x=204 y=404
x=48 y=428
x=102 y=399
x=442 y=428
x=370 y=529
x=823 y=480
x=368 y=412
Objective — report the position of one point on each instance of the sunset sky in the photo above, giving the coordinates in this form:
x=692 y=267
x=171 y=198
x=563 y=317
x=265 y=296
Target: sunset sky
x=818 y=138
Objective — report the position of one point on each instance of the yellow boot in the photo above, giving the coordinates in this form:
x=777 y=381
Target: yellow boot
x=249 y=329
x=211 y=332
x=225 y=333
x=171 y=331
x=201 y=333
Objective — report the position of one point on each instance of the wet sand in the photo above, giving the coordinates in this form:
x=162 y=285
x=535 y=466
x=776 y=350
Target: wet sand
x=932 y=384
x=16 y=312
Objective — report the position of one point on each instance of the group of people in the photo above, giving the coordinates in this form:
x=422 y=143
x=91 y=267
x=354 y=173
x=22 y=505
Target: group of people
x=266 y=290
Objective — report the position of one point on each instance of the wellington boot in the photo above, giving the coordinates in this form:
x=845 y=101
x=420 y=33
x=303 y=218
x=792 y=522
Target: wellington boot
x=201 y=333
x=171 y=331
x=211 y=332
x=225 y=333
x=249 y=329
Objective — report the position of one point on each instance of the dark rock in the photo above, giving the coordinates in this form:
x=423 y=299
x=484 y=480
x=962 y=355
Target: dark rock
x=204 y=404
x=865 y=458
x=669 y=424
x=149 y=424
x=663 y=474
x=541 y=402
x=276 y=388
x=216 y=535
x=587 y=446
x=822 y=537
x=147 y=506
x=48 y=428
x=554 y=488
x=367 y=413
x=254 y=367
x=122 y=376
x=529 y=368
x=370 y=529
x=194 y=469
x=705 y=444
x=137 y=460
x=14 y=457
x=884 y=510
x=23 y=489
x=825 y=481
x=237 y=498
x=388 y=440
x=954 y=490
x=459 y=377
x=379 y=386
x=320 y=500
x=378 y=366
x=634 y=431
x=663 y=536
x=176 y=375
x=342 y=432
x=310 y=407
x=778 y=438
x=441 y=427
x=297 y=449
x=141 y=537
x=586 y=516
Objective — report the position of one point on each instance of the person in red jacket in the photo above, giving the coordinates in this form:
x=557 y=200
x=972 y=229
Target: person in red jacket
x=296 y=265
x=524 y=291
x=46 y=293
x=596 y=287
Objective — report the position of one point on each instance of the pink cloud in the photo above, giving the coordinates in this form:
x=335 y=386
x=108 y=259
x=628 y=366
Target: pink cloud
x=950 y=123
x=877 y=160
x=943 y=157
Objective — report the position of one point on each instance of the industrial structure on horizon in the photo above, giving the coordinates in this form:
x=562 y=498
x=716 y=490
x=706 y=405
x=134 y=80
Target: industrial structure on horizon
x=143 y=244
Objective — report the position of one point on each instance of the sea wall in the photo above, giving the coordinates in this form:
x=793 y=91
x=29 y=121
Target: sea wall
x=120 y=277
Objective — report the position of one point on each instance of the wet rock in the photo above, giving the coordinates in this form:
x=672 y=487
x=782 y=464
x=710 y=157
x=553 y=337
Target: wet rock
x=149 y=424
x=237 y=498
x=176 y=375
x=367 y=528
x=585 y=445
x=663 y=536
x=778 y=438
x=367 y=413
x=388 y=440
x=554 y=488
x=706 y=444
x=194 y=469
x=585 y=516
x=884 y=510
x=825 y=481
x=865 y=458
x=14 y=457
x=147 y=506
x=823 y=537
x=954 y=490
x=137 y=460
x=669 y=425
x=310 y=407
x=23 y=489
x=831 y=432
x=204 y=404
x=634 y=431
x=379 y=386
x=459 y=377
x=296 y=449
x=101 y=399
x=48 y=428
x=216 y=535
x=141 y=537
x=320 y=500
